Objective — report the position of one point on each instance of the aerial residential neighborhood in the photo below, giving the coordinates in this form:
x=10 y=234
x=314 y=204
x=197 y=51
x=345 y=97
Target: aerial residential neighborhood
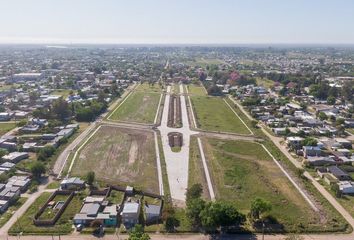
x=182 y=119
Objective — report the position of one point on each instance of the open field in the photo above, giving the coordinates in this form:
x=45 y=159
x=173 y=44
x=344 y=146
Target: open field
x=196 y=90
x=63 y=226
x=203 y=62
x=213 y=114
x=6 y=126
x=146 y=87
x=242 y=171
x=264 y=82
x=120 y=156
x=139 y=107
x=63 y=92
x=196 y=171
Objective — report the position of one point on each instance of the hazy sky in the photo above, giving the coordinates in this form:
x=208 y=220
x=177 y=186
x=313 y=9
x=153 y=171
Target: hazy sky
x=177 y=21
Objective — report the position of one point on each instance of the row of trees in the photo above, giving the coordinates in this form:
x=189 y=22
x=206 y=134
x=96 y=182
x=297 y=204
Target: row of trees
x=209 y=216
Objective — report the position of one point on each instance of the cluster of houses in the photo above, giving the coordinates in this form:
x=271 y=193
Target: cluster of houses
x=11 y=190
x=97 y=207
x=297 y=119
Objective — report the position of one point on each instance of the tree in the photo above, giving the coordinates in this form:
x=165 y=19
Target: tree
x=195 y=191
x=194 y=208
x=61 y=109
x=45 y=152
x=259 y=206
x=309 y=141
x=37 y=169
x=322 y=116
x=90 y=178
x=137 y=233
x=216 y=214
x=331 y=100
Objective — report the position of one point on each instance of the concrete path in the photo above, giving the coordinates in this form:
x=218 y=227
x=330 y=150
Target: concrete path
x=177 y=163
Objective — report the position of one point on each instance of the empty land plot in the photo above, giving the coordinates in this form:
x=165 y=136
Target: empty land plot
x=213 y=114
x=196 y=170
x=120 y=156
x=242 y=171
x=196 y=90
x=146 y=87
x=6 y=126
x=139 y=107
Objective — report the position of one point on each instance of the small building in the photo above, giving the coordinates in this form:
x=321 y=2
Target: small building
x=4 y=204
x=130 y=214
x=15 y=157
x=112 y=213
x=311 y=151
x=346 y=187
x=338 y=173
x=294 y=142
x=152 y=213
x=279 y=131
x=21 y=182
x=72 y=183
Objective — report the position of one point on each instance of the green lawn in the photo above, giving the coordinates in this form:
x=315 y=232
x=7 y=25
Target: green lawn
x=196 y=90
x=146 y=87
x=242 y=171
x=120 y=156
x=351 y=130
x=4 y=217
x=196 y=171
x=63 y=92
x=63 y=226
x=213 y=114
x=6 y=126
x=264 y=82
x=139 y=107
x=49 y=213
x=116 y=197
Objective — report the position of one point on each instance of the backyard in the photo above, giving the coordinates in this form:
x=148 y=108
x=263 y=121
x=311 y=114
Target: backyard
x=242 y=171
x=63 y=226
x=213 y=114
x=139 y=107
x=120 y=156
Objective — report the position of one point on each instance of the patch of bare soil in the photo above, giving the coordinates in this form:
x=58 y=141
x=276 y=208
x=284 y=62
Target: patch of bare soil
x=133 y=152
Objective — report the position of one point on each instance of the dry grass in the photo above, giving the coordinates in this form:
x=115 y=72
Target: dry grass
x=120 y=156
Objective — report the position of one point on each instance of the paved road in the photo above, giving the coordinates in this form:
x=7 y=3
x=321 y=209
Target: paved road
x=64 y=155
x=176 y=162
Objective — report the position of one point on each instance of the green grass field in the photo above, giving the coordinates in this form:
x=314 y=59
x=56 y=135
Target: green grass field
x=63 y=92
x=120 y=156
x=242 y=171
x=213 y=114
x=351 y=130
x=264 y=82
x=146 y=87
x=63 y=226
x=196 y=90
x=6 y=126
x=139 y=107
